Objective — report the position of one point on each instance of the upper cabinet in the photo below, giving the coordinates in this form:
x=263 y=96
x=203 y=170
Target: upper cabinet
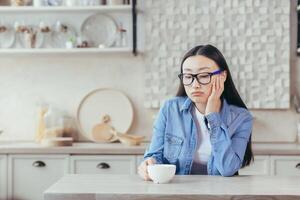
x=64 y=26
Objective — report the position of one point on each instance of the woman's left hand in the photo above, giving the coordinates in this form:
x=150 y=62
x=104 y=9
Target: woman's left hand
x=214 y=100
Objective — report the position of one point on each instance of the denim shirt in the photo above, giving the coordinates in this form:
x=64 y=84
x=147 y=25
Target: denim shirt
x=174 y=139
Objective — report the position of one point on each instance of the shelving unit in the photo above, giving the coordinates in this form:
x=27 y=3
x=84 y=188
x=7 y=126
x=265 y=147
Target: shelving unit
x=65 y=51
x=65 y=8
x=81 y=9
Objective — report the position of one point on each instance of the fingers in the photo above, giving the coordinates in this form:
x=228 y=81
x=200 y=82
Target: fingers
x=222 y=83
x=214 y=86
x=142 y=169
x=218 y=83
x=150 y=161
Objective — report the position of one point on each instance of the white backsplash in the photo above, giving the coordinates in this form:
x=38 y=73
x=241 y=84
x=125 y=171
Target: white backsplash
x=63 y=81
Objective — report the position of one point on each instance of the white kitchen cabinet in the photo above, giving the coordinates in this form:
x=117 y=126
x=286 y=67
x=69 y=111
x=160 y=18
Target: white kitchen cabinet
x=30 y=175
x=260 y=166
x=285 y=165
x=104 y=164
x=3 y=177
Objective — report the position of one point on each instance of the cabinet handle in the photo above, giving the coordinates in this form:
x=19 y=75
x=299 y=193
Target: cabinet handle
x=103 y=165
x=38 y=164
x=298 y=166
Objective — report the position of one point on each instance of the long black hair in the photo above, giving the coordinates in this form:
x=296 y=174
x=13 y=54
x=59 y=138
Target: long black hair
x=230 y=93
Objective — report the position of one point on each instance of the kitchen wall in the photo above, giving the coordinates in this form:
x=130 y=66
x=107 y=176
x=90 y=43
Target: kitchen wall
x=64 y=80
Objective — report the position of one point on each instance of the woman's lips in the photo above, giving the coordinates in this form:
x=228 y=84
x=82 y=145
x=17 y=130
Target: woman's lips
x=197 y=93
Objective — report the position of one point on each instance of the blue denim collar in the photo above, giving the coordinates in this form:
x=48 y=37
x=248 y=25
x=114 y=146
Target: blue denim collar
x=188 y=103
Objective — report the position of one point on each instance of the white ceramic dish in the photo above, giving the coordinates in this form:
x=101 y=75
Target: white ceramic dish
x=161 y=173
x=102 y=102
x=99 y=30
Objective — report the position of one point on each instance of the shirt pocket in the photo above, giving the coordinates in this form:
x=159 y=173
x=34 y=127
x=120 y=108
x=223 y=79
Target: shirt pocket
x=172 y=147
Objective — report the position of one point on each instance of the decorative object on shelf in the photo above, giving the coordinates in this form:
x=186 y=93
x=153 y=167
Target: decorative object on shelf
x=122 y=37
x=61 y=33
x=44 y=28
x=29 y=36
x=104 y=102
x=21 y=2
x=39 y=3
x=114 y=2
x=89 y=3
x=99 y=29
x=81 y=44
x=7 y=36
x=70 y=43
x=55 y=2
x=71 y=3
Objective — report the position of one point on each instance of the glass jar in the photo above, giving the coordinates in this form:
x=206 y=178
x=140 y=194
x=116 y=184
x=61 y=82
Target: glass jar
x=53 y=125
x=69 y=126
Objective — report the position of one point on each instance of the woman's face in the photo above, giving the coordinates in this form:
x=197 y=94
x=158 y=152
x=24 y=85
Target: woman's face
x=197 y=92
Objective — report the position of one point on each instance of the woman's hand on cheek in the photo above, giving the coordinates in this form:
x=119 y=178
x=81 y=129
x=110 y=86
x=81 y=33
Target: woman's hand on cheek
x=214 y=101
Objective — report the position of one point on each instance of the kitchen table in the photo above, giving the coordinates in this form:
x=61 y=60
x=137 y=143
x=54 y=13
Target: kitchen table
x=121 y=187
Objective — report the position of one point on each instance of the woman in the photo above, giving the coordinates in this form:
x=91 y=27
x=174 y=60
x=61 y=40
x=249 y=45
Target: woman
x=207 y=128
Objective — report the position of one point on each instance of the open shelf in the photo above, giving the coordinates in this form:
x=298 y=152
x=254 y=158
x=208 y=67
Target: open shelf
x=66 y=51
x=65 y=8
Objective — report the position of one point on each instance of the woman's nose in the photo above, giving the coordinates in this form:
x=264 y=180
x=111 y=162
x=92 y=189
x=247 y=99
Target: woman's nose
x=195 y=83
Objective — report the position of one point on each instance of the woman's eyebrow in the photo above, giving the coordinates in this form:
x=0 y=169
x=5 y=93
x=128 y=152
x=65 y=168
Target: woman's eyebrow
x=200 y=69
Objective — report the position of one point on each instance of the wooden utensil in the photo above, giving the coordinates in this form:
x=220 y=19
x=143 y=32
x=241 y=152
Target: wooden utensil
x=101 y=132
x=131 y=140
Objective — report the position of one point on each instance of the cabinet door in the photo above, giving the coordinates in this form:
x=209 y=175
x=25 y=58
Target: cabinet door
x=285 y=165
x=30 y=175
x=103 y=164
x=3 y=177
x=260 y=166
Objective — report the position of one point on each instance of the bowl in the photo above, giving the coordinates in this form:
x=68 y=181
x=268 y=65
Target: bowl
x=161 y=173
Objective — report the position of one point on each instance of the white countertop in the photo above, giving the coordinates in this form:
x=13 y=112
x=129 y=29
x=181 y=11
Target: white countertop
x=77 y=148
x=97 y=187
x=121 y=149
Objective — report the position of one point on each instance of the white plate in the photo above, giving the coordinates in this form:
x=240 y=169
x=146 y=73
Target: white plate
x=99 y=29
x=7 y=37
x=100 y=102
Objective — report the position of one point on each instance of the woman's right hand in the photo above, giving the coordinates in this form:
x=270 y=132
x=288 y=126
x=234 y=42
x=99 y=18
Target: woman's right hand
x=142 y=169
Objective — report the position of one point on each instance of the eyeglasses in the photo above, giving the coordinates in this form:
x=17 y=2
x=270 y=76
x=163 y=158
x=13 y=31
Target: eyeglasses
x=202 y=78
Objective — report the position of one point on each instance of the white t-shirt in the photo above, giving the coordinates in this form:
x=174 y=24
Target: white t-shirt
x=203 y=150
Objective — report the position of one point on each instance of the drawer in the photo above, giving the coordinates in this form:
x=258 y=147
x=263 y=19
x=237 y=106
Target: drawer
x=260 y=166
x=30 y=175
x=285 y=165
x=3 y=177
x=103 y=164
